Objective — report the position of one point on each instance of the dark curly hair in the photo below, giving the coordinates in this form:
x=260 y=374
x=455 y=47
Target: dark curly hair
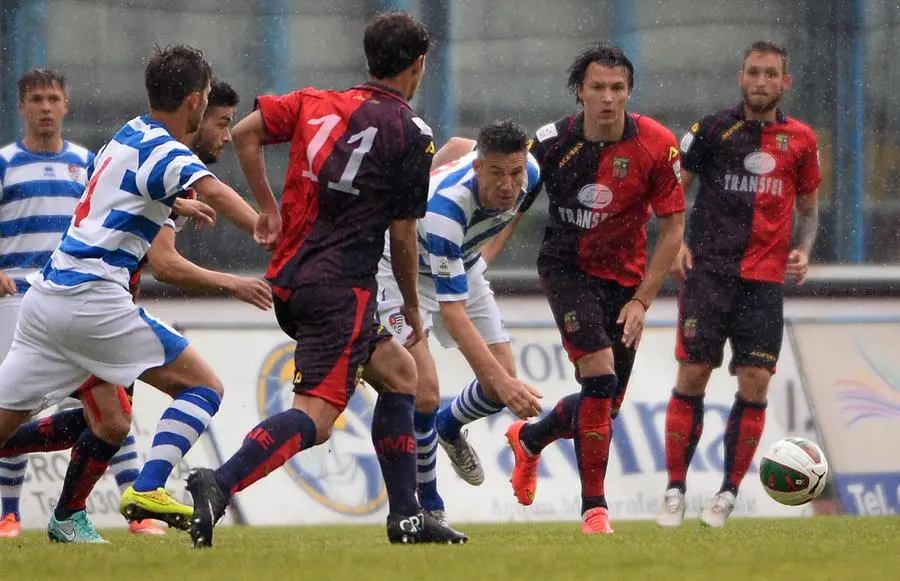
x=603 y=54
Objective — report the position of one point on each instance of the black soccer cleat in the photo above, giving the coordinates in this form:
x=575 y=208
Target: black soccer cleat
x=209 y=505
x=421 y=528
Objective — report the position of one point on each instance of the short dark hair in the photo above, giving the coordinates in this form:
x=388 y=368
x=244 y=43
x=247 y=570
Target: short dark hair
x=173 y=73
x=393 y=41
x=34 y=78
x=221 y=94
x=768 y=47
x=502 y=136
x=600 y=53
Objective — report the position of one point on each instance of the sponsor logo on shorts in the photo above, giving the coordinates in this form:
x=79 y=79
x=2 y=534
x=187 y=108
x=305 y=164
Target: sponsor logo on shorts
x=570 y=321
x=767 y=357
x=342 y=474
x=396 y=321
x=689 y=328
x=595 y=196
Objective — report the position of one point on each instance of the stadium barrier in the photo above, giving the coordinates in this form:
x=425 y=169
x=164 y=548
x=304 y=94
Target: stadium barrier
x=845 y=366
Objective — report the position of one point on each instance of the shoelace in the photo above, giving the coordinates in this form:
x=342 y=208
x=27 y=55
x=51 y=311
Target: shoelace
x=672 y=501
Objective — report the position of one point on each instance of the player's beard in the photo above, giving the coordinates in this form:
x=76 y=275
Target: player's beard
x=765 y=107
x=203 y=153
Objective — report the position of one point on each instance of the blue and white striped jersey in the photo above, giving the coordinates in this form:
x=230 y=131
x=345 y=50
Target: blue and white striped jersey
x=133 y=183
x=38 y=193
x=456 y=225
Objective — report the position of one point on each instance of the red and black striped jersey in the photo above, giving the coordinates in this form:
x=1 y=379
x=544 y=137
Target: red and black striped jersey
x=602 y=194
x=359 y=158
x=751 y=173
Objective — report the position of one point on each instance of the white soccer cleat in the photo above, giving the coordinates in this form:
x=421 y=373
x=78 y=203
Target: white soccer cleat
x=671 y=513
x=464 y=459
x=718 y=510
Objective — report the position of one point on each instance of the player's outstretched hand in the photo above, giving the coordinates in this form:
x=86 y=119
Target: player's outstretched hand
x=202 y=213
x=521 y=399
x=797 y=266
x=683 y=263
x=253 y=291
x=7 y=285
x=631 y=317
x=414 y=320
x=268 y=228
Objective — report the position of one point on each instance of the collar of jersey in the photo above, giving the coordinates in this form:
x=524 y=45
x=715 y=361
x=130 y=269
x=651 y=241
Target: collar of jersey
x=384 y=89
x=45 y=154
x=738 y=111
x=629 y=132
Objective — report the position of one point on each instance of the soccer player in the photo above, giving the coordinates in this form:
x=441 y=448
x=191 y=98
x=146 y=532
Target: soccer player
x=755 y=165
x=470 y=201
x=78 y=318
x=604 y=169
x=61 y=430
x=360 y=160
x=41 y=178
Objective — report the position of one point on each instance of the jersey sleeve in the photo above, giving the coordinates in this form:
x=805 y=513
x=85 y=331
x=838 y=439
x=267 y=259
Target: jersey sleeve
x=666 y=191
x=174 y=169
x=695 y=145
x=538 y=147
x=280 y=115
x=445 y=228
x=411 y=186
x=808 y=173
x=2 y=176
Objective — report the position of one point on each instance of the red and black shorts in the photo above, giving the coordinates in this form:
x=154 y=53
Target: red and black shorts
x=586 y=309
x=333 y=327
x=715 y=307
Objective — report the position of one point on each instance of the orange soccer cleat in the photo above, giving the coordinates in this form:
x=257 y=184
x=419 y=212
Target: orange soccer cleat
x=146 y=527
x=10 y=526
x=596 y=520
x=525 y=472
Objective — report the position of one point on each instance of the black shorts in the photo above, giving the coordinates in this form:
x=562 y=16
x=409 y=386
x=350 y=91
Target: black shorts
x=714 y=307
x=333 y=327
x=586 y=309
x=379 y=334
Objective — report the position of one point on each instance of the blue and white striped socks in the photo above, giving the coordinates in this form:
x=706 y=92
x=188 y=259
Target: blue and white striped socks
x=126 y=464
x=426 y=464
x=180 y=427
x=12 y=476
x=470 y=405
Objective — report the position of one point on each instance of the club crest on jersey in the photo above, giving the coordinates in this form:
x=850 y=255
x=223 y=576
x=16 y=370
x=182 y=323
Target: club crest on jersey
x=343 y=474
x=759 y=163
x=782 y=141
x=595 y=196
x=620 y=167
x=74 y=172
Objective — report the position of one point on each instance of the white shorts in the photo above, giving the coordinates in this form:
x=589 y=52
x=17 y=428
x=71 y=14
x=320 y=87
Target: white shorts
x=62 y=339
x=9 y=315
x=480 y=306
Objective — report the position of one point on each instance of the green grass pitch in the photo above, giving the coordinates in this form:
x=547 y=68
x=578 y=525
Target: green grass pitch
x=818 y=548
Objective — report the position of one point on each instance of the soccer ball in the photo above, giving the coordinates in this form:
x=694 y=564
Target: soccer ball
x=793 y=471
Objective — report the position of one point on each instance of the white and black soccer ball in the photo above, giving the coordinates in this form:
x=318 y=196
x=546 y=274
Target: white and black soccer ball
x=794 y=471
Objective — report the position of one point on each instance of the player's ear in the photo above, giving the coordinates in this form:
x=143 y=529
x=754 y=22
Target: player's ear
x=476 y=164
x=786 y=82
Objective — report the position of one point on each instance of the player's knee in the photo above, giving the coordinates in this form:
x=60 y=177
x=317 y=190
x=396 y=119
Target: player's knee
x=323 y=432
x=596 y=363
x=753 y=383
x=692 y=378
x=428 y=395
x=113 y=428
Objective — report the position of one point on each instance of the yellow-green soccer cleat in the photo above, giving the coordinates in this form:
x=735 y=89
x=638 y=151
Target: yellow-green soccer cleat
x=156 y=504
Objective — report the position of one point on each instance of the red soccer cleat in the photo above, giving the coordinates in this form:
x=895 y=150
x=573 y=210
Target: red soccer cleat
x=525 y=471
x=596 y=521
x=10 y=526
